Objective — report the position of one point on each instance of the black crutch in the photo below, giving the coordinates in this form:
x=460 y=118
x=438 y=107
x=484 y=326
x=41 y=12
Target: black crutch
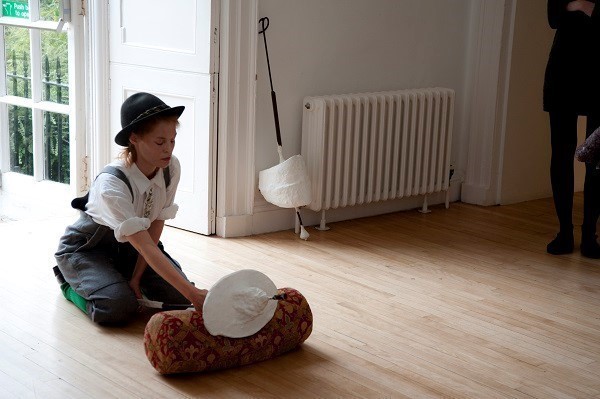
x=264 y=24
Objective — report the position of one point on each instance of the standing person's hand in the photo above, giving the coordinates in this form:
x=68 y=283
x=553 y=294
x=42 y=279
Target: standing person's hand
x=587 y=7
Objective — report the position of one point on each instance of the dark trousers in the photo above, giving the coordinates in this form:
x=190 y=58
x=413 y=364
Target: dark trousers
x=98 y=268
x=563 y=131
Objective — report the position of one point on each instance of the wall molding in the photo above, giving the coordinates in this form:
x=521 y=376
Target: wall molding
x=487 y=99
x=504 y=86
x=97 y=77
x=237 y=113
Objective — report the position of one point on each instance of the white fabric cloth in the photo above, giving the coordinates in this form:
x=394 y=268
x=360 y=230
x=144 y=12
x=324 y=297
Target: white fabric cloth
x=239 y=304
x=287 y=184
x=110 y=202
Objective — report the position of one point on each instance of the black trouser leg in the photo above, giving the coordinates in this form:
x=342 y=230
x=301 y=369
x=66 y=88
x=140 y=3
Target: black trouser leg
x=563 y=139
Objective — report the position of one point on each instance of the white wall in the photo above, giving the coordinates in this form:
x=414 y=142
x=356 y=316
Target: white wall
x=526 y=167
x=321 y=47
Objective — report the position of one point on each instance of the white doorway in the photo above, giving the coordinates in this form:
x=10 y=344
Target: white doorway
x=165 y=48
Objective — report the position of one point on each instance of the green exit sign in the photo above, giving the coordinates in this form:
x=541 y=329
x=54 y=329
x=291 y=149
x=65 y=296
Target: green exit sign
x=15 y=9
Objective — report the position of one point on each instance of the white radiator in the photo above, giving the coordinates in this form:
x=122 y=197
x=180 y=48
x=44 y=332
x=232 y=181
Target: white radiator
x=361 y=148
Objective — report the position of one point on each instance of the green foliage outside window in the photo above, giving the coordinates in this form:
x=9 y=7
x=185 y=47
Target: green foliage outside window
x=18 y=69
x=54 y=79
x=49 y=10
x=20 y=140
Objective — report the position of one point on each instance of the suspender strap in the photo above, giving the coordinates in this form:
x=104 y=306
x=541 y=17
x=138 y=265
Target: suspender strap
x=81 y=202
x=167 y=176
x=118 y=173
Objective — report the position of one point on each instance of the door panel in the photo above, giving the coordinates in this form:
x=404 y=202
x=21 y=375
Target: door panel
x=162 y=34
x=164 y=48
x=192 y=146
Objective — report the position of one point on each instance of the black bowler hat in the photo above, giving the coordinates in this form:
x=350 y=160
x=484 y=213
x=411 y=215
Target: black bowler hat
x=138 y=108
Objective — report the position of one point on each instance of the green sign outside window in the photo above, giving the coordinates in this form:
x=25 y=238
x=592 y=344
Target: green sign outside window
x=15 y=9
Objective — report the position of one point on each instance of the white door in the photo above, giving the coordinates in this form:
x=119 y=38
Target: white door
x=164 y=48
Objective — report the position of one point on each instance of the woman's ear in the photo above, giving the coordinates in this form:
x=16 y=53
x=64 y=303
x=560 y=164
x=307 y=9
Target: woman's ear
x=133 y=138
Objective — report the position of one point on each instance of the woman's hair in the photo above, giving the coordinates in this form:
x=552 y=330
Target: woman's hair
x=129 y=153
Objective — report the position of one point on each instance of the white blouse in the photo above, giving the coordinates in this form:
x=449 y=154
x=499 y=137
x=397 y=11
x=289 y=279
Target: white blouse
x=110 y=202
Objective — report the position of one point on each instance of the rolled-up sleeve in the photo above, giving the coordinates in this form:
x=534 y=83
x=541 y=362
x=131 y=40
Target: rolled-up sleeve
x=131 y=226
x=168 y=213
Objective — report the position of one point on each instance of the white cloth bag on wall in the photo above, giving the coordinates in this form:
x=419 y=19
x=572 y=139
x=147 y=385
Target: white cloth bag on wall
x=287 y=184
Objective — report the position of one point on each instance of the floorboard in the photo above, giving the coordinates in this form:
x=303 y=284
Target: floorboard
x=462 y=302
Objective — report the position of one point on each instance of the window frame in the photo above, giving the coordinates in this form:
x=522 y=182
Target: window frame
x=73 y=27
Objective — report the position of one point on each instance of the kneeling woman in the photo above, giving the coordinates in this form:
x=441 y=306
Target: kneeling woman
x=103 y=257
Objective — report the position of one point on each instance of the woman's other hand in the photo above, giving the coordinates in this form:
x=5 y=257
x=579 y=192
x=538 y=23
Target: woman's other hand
x=587 y=7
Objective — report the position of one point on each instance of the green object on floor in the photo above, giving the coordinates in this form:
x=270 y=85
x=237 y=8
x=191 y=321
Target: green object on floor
x=74 y=297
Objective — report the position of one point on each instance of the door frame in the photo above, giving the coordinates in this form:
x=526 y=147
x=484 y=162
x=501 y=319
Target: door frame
x=98 y=78
x=237 y=115
x=99 y=148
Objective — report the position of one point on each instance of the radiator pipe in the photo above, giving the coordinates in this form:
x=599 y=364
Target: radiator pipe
x=322 y=225
x=424 y=208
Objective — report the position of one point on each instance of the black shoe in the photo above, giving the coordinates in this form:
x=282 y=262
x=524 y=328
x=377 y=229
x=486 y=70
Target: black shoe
x=59 y=276
x=562 y=244
x=590 y=247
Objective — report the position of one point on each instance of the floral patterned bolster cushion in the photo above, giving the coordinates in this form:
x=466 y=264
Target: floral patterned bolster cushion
x=176 y=341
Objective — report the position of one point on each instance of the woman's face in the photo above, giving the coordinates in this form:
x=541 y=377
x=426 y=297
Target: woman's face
x=154 y=148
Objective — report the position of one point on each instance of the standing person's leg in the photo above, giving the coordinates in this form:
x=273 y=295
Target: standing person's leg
x=591 y=200
x=563 y=138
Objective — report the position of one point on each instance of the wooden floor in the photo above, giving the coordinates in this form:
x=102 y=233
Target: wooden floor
x=458 y=303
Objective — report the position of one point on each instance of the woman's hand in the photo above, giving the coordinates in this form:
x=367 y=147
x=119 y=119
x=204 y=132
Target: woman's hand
x=136 y=277
x=587 y=7
x=197 y=297
x=134 y=284
x=154 y=257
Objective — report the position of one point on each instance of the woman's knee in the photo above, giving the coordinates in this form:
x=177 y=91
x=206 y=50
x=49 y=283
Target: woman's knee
x=113 y=304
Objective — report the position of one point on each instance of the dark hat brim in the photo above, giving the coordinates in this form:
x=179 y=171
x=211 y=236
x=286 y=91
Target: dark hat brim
x=122 y=138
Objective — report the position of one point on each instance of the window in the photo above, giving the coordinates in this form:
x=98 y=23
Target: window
x=35 y=89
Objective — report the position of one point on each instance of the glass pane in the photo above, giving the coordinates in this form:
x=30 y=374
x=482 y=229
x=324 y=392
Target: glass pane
x=20 y=139
x=55 y=67
x=49 y=10
x=18 y=68
x=56 y=147
x=15 y=9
